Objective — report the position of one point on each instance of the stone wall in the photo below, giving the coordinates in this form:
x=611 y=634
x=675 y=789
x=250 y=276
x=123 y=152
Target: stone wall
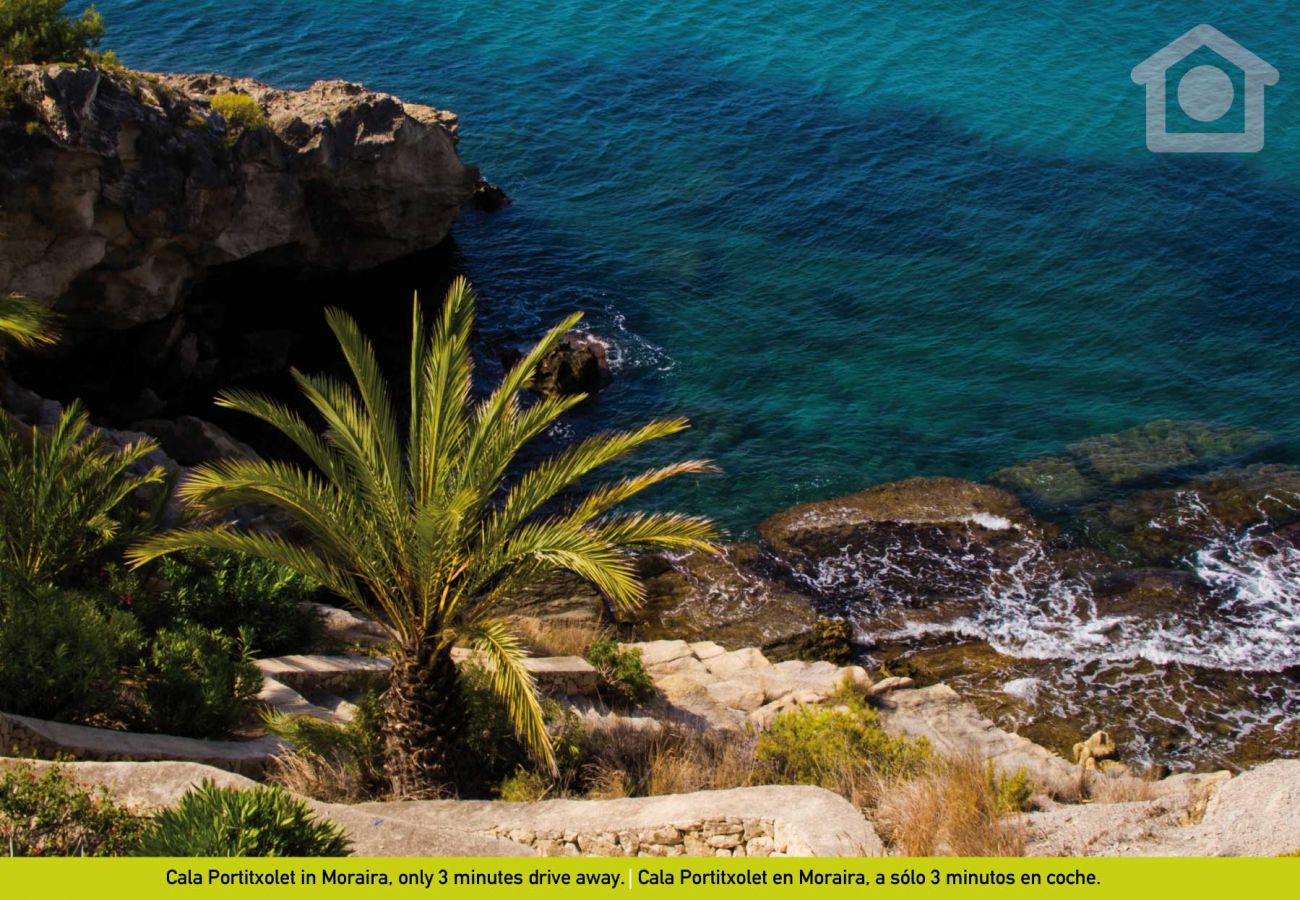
x=754 y=821
x=726 y=836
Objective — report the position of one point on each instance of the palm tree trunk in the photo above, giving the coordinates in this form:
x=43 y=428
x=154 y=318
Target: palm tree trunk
x=423 y=722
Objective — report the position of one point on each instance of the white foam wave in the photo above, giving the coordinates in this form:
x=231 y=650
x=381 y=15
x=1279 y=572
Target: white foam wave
x=626 y=349
x=1246 y=619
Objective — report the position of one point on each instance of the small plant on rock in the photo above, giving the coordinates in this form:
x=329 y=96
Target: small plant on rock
x=843 y=749
x=213 y=821
x=624 y=678
x=333 y=762
x=240 y=111
x=62 y=493
x=23 y=321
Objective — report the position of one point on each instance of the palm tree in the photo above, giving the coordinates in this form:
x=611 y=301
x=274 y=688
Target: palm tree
x=431 y=537
x=62 y=491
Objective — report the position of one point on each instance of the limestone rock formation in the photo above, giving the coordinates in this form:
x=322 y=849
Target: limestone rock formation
x=120 y=188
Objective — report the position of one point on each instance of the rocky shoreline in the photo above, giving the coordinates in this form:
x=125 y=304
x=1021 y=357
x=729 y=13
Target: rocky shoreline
x=1051 y=598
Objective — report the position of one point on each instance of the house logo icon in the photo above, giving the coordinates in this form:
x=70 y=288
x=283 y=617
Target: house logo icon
x=1206 y=93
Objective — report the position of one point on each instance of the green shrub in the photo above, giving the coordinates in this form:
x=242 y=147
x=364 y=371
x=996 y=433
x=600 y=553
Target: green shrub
x=50 y=815
x=843 y=749
x=237 y=594
x=1011 y=793
x=625 y=680
x=213 y=821
x=198 y=682
x=38 y=31
x=59 y=653
x=525 y=786
x=239 y=110
x=62 y=493
x=356 y=749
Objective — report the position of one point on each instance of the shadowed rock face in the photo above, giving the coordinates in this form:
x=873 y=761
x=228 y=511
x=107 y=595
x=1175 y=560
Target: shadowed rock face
x=120 y=189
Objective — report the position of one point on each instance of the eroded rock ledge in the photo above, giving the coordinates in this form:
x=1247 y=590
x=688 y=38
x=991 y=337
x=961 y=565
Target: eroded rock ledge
x=120 y=188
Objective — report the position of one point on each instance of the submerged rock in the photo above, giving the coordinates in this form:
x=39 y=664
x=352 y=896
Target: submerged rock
x=1159 y=451
x=1048 y=481
x=120 y=188
x=1165 y=525
x=1165 y=447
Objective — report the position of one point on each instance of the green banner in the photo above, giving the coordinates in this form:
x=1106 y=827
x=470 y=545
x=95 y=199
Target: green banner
x=652 y=879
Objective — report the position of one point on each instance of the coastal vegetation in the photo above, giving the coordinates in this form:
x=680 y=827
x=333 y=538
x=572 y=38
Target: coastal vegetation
x=45 y=813
x=217 y=821
x=40 y=31
x=420 y=532
x=239 y=110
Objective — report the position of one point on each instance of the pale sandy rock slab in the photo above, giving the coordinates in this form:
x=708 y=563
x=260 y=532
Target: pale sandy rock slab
x=304 y=672
x=746 y=661
x=954 y=727
x=1255 y=814
x=144 y=786
x=744 y=694
x=686 y=700
x=707 y=649
x=683 y=665
x=657 y=653
x=36 y=737
x=290 y=702
x=148 y=786
x=892 y=683
x=1099 y=829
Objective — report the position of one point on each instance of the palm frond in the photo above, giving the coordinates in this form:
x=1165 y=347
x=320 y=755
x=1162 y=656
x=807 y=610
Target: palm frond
x=26 y=322
x=513 y=684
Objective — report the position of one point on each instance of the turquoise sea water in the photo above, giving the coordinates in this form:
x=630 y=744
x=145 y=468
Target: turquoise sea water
x=852 y=242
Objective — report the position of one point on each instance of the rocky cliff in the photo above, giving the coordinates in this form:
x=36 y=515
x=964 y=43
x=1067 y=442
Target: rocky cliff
x=119 y=189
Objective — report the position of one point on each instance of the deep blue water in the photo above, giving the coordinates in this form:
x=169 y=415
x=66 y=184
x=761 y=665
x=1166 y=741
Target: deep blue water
x=851 y=243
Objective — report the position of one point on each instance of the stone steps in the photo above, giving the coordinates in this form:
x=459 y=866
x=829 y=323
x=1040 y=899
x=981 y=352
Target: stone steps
x=24 y=736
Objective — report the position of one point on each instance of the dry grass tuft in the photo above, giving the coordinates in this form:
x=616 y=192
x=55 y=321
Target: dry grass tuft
x=685 y=760
x=310 y=775
x=557 y=637
x=1119 y=788
x=956 y=807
